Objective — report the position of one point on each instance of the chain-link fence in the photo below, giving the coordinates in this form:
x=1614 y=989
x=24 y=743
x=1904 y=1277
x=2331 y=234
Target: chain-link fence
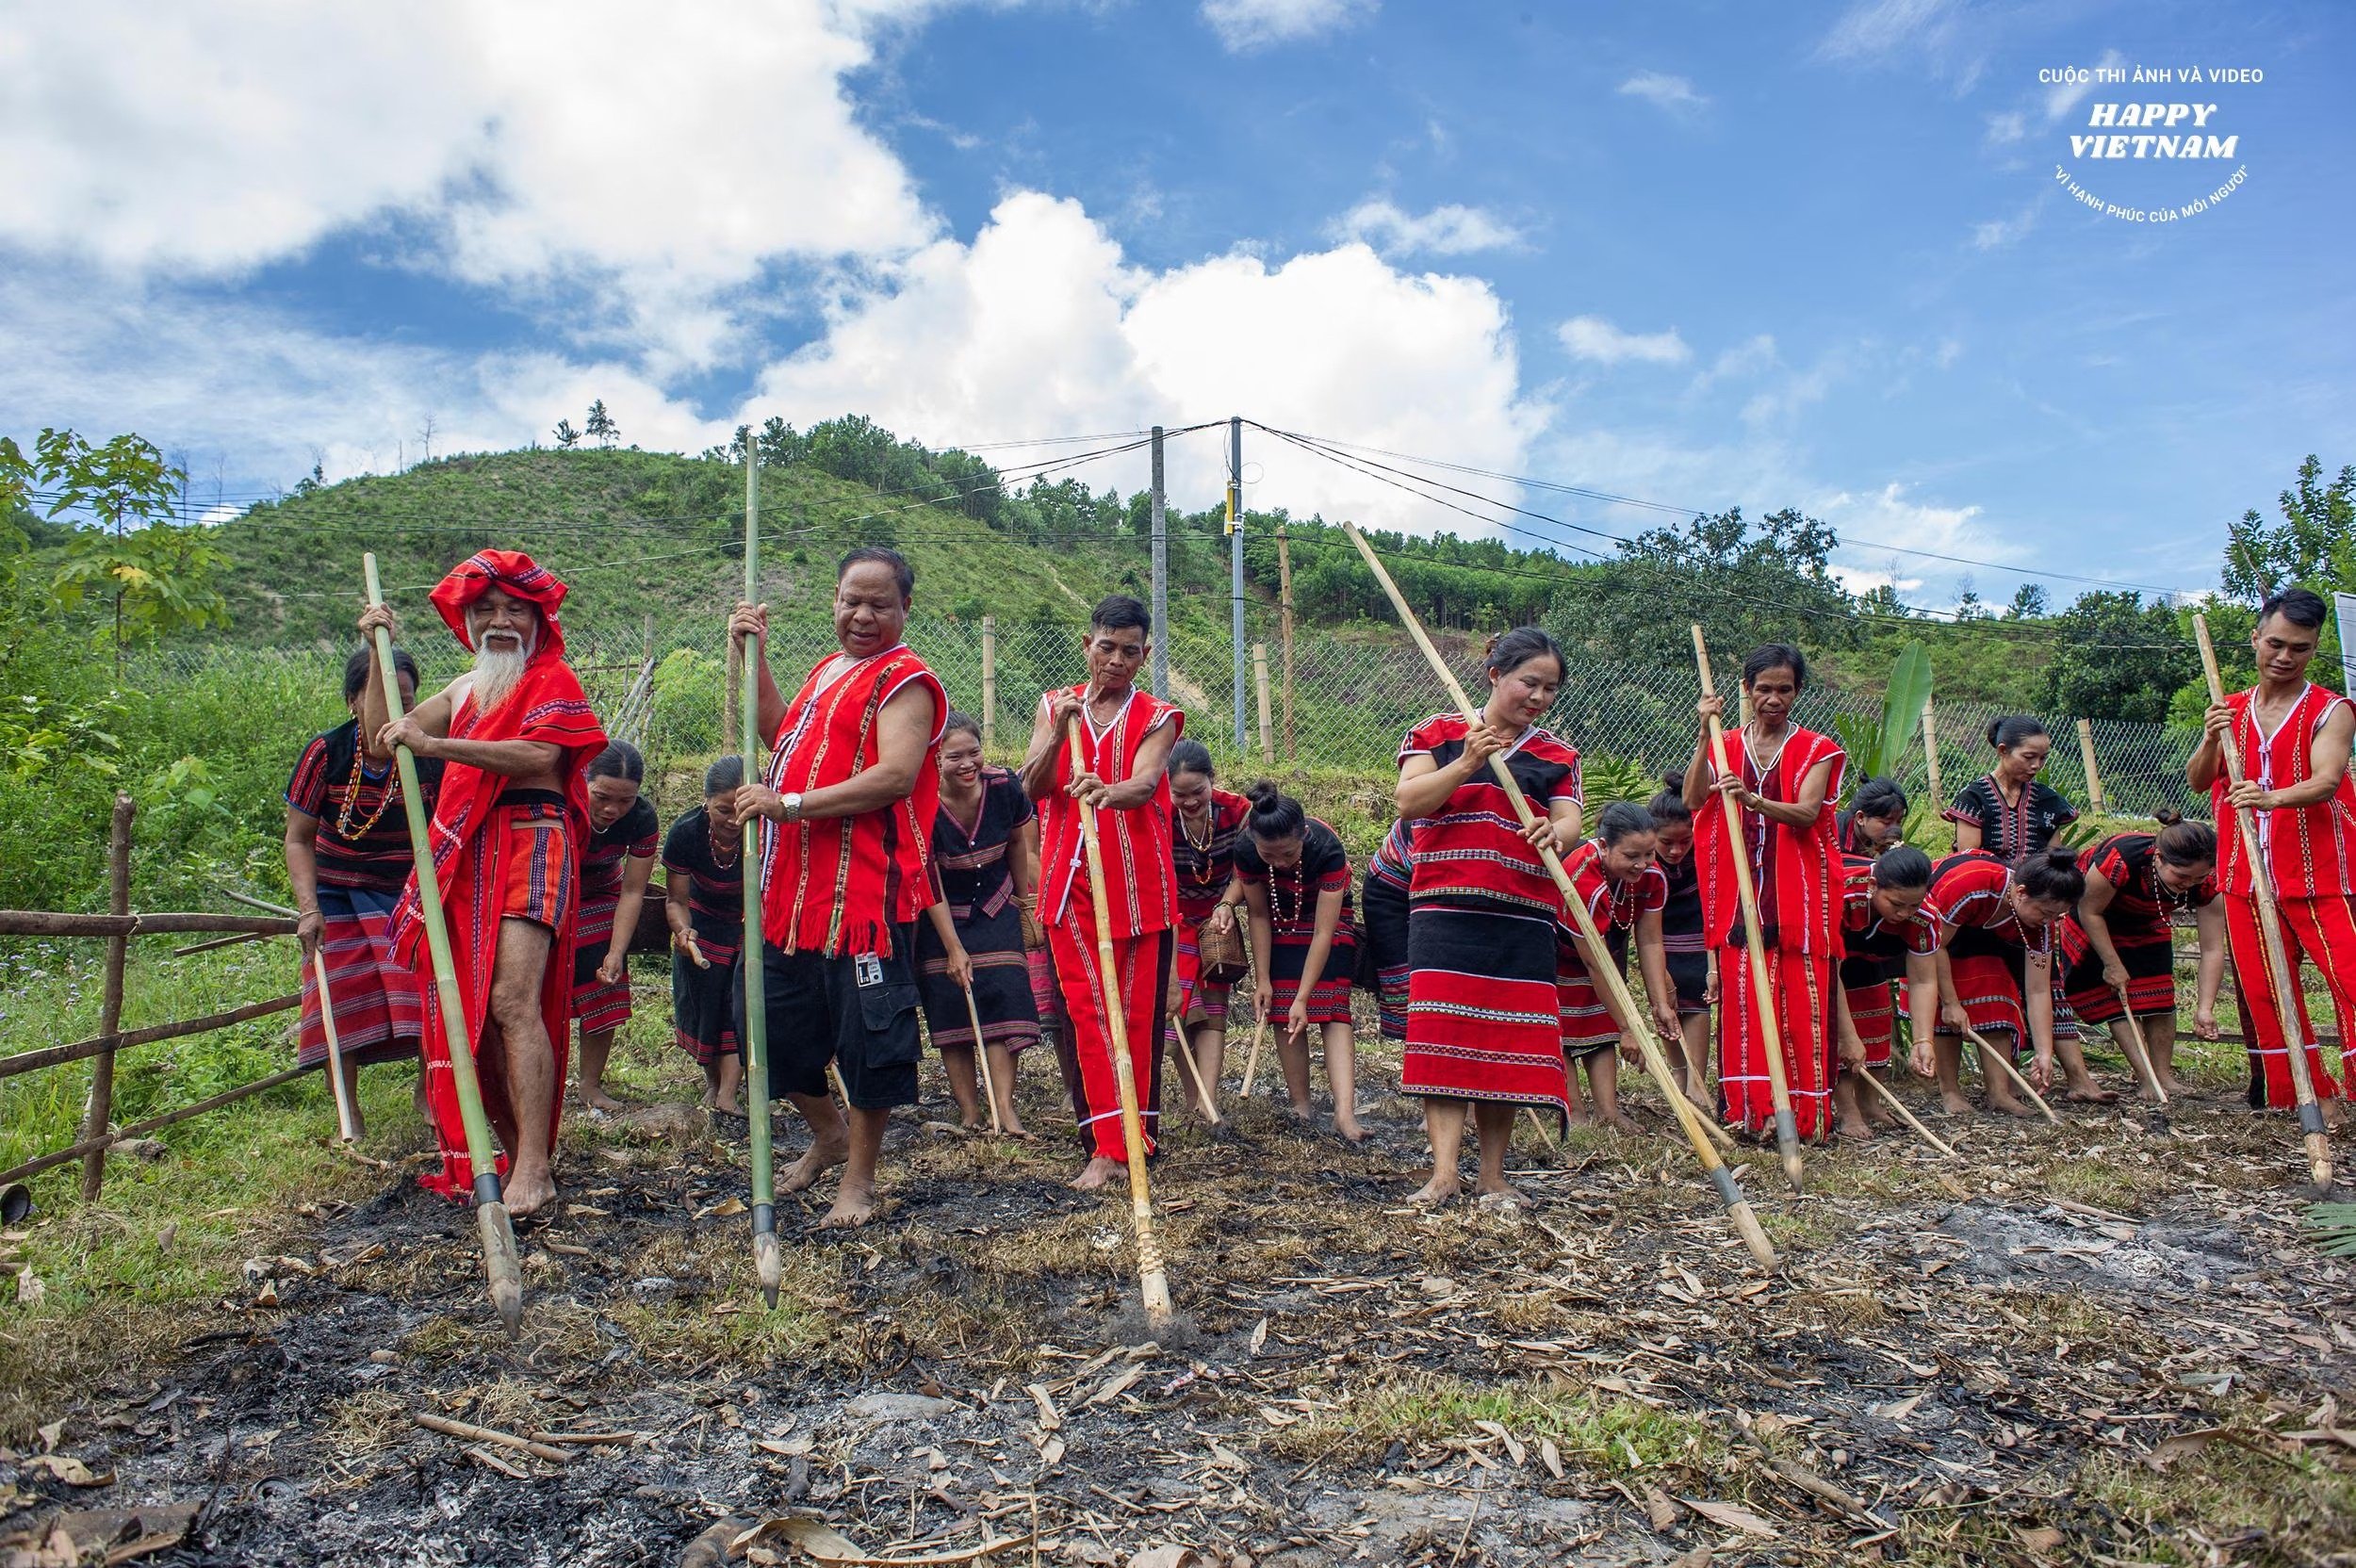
x=1352 y=698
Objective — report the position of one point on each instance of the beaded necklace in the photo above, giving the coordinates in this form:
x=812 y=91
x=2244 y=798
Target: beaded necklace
x=344 y=829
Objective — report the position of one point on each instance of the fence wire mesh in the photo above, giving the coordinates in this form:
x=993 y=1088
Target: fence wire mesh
x=1353 y=696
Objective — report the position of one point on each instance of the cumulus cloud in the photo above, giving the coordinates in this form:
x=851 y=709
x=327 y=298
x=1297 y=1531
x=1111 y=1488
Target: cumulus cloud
x=1247 y=24
x=1444 y=231
x=1673 y=93
x=1592 y=337
x=1041 y=324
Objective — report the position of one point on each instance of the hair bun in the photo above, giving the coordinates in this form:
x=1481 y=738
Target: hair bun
x=1995 y=728
x=1263 y=794
x=2167 y=817
x=1674 y=779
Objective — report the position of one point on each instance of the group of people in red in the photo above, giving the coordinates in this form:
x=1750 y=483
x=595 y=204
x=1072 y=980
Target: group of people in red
x=901 y=876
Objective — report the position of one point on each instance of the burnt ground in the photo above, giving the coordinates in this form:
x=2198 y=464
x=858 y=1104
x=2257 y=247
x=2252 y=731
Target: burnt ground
x=2083 y=1343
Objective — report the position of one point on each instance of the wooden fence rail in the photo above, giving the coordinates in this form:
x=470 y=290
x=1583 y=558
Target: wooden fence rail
x=117 y=928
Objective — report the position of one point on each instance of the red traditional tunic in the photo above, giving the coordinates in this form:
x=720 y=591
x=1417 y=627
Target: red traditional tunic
x=1140 y=885
x=1973 y=891
x=1874 y=952
x=1797 y=874
x=2309 y=851
x=2141 y=920
x=1615 y=907
x=1483 y=1012
x=837 y=885
x=1202 y=872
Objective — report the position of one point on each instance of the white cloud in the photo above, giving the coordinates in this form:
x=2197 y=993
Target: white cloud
x=662 y=155
x=2006 y=128
x=1744 y=360
x=1247 y=24
x=1592 y=337
x=1673 y=93
x=1041 y=324
x=1999 y=234
x=2063 y=96
x=1889 y=517
x=1947 y=38
x=1446 y=231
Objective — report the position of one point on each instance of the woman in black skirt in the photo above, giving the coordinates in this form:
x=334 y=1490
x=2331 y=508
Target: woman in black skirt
x=1305 y=945
x=986 y=854
x=703 y=882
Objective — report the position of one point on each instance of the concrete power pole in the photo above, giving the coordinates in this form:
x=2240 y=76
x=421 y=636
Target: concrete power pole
x=1161 y=578
x=1235 y=564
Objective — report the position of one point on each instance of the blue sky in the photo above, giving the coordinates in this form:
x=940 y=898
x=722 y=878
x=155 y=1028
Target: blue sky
x=1704 y=254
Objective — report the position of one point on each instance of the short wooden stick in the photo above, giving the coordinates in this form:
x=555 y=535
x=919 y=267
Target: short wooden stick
x=335 y=1046
x=1900 y=1106
x=981 y=1060
x=1989 y=1054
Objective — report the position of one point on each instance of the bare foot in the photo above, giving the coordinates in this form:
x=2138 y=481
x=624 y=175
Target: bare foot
x=2168 y=1083
x=852 y=1207
x=1438 y=1190
x=529 y=1189
x=1854 y=1130
x=595 y=1097
x=731 y=1108
x=1618 y=1121
x=804 y=1172
x=1013 y=1125
x=2089 y=1092
x=1350 y=1130
x=974 y=1124
x=710 y=1101
x=1096 y=1173
x=2011 y=1107
x=1952 y=1104
x=1501 y=1195
x=1583 y=1118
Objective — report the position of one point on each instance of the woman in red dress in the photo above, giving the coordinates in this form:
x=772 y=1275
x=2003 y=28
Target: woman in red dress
x=1995 y=924
x=1484 y=1025
x=624 y=835
x=1206 y=822
x=1625 y=893
x=1883 y=939
x=1783 y=785
x=2122 y=936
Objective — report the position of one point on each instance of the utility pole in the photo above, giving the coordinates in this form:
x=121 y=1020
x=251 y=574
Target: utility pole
x=1161 y=578
x=1234 y=564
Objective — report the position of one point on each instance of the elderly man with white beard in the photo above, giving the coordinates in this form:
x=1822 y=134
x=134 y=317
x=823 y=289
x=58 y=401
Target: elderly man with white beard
x=515 y=735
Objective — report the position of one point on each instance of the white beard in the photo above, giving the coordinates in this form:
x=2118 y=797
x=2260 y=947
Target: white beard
x=495 y=675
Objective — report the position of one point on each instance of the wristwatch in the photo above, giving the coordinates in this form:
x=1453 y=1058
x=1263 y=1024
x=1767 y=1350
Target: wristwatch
x=794 y=807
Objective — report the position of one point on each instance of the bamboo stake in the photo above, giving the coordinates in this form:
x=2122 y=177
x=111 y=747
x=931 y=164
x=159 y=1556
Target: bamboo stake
x=1546 y=1133
x=981 y=1057
x=768 y=1268
x=335 y=1046
x=2285 y=992
x=1194 y=1075
x=499 y=1261
x=1152 y=1281
x=2085 y=758
x=1738 y=1208
x=98 y=1111
x=1900 y=1106
x=1252 y=1058
x=1930 y=748
x=1989 y=1054
x=2139 y=1054
x=1771 y=1028
x=1259 y=676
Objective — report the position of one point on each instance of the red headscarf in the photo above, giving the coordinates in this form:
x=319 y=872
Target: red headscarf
x=511 y=570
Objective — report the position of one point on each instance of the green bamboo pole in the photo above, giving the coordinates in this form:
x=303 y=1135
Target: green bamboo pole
x=766 y=1263
x=499 y=1233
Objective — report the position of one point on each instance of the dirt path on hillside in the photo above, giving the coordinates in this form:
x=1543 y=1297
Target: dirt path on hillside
x=2074 y=1345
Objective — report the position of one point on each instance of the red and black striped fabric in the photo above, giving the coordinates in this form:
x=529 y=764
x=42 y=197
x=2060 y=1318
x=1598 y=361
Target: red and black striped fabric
x=2309 y=851
x=2139 y=920
x=977 y=884
x=2012 y=830
x=1293 y=893
x=1202 y=872
x=1383 y=925
x=1615 y=908
x=1875 y=958
x=703 y=1000
x=360 y=830
x=1973 y=892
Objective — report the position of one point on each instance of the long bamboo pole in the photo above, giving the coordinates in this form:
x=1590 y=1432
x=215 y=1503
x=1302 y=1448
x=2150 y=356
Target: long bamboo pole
x=2285 y=993
x=1152 y=1281
x=499 y=1261
x=335 y=1046
x=1762 y=988
x=768 y=1268
x=1738 y=1208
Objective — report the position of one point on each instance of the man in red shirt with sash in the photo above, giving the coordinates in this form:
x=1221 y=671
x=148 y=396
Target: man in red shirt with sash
x=513 y=735
x=846 y=814
x=2294 y=738
x=1125 y=736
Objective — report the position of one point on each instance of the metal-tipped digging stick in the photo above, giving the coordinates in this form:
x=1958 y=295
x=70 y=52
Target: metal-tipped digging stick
x=1153 y=1280
x=1762 y=983
x=335 y=1046
x=1738 y=1208
x=1899 y=1105
x=1989 y=1054
x=2285 y=988
x=499 y=1261
x=767 y=1267
x=2139 y=1053
x=981 y=1059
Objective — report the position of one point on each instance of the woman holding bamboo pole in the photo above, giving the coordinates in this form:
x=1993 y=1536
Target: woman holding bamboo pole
x=1485 y=1027
x=1995 y=924
x=1123 y=747
x=2119 y=946
x=1883 y=939
x=1692 y=963
x=1782 y=781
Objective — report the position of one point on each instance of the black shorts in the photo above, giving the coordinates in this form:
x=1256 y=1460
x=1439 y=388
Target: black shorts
x=1689 y=972
x=857 y=1012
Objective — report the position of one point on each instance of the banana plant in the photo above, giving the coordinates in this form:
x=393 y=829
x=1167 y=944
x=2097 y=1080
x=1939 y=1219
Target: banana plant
x=1877 y=749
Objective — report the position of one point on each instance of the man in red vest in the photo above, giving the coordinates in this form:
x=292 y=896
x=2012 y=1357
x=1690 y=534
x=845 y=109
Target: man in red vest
x=2294 y=738
x=1125 y=737
x=846 y=814
x=514 y=735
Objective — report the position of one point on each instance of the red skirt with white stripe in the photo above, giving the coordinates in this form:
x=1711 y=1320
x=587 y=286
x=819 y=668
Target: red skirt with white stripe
x=1483 y=1012
x=1802 y=984
x=379 y=1010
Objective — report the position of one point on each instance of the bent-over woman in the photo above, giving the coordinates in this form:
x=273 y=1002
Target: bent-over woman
x=2121 y=938
x=1693 y=963
x=624 y=836
x=1995 y=922
x=1885 y=940
x=1295 y=876
x=1205 y=824
x=703 y=902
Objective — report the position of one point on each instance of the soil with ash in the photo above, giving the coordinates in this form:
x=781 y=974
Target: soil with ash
x=2077 y=1344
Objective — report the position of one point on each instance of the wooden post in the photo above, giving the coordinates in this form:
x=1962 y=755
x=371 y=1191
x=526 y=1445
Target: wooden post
x=989 y=681
x=2085 y=753
x=1259 y=676
x=1930 y=752
x=99 y=1111
x=1285 y=593
x=649 y=659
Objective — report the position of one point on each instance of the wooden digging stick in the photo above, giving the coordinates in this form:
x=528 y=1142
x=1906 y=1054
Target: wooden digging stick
x=981 y=1058
x=2142 y=1053
x=499 y=1261
x=1738 y=1213
x=1152 y=1281
x=335 y=1046
x=1194 y=1075
x=1251 y=1057
x=1900 y=1106
x=1771 y=1028
x=1989 y=1054
x=2285 y=992
x=768 y=1267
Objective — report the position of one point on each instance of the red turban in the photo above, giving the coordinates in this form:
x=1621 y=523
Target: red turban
x=511 y=570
